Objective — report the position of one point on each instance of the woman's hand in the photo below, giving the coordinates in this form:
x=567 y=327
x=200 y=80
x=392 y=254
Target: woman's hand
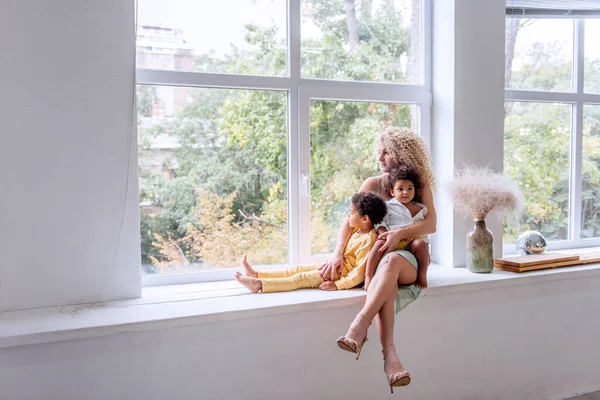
x=330 y=268
x=392 y=238
x=328 y=285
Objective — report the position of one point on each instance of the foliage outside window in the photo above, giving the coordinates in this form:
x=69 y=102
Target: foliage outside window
x=549 y=113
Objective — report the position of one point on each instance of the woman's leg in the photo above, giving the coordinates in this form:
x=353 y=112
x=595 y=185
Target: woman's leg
x=397 y=271
x=385 y=322
x=374 y=258
x=383 y=288
x=385 y=327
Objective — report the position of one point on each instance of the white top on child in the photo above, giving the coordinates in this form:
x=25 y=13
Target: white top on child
x=398 y=216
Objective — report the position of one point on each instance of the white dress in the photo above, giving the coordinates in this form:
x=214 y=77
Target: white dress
x=398 y=216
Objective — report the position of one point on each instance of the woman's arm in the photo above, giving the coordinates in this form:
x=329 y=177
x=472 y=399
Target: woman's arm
x=334 y=264
x=370 y=185
x=425 y=227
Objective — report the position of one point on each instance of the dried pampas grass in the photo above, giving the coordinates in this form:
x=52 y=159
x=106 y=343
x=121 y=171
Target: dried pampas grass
x=477 y=190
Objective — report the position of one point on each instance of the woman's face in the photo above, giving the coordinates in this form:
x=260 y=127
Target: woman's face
x=386 y=162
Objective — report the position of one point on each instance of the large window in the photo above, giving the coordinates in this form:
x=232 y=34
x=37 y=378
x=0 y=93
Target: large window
x=256 y=127
x=552 y=121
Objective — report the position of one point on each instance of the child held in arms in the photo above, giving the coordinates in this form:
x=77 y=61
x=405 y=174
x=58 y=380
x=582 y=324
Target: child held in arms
x=366 y=210
x=404 y=184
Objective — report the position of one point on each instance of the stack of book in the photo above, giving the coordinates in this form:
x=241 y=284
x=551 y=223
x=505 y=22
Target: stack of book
x=543 y=261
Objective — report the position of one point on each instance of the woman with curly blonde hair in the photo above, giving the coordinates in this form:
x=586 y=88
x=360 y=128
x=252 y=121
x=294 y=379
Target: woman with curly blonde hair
x=392 y=286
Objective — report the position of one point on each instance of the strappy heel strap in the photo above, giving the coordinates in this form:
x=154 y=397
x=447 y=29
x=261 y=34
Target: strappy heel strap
x=365 y=318
x=350 y=345
x=385 y=347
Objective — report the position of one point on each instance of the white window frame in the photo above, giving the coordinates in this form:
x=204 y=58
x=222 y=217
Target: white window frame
x=300 y=92
x=577 y=99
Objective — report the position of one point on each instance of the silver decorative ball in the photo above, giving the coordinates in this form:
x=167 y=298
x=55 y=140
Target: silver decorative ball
x=530 y=242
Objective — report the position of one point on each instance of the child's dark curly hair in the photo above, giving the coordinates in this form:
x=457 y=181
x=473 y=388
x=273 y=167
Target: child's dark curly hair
x=371 y=205
x=405 y=172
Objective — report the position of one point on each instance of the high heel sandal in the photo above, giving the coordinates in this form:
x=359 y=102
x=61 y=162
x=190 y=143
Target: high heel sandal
x=397 y=379
x=350 y=345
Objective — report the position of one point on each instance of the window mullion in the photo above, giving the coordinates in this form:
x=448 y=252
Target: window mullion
x=304 y=244
x=293 y=177
x=426 y=34
x=575 y=187
x=210 y=80
x=579 y=56
x=298 y=211
x=365 y=91
x=293 y=18
x=426 y=61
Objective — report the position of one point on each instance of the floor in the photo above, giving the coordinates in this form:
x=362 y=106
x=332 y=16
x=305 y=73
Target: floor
x=589 y=396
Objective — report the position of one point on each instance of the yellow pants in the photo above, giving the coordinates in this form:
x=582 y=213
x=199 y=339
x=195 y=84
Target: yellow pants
x=292 y=278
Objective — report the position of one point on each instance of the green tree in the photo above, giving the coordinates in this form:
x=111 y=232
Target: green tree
x=537 y=140
x=146 y=95
x=232 y=144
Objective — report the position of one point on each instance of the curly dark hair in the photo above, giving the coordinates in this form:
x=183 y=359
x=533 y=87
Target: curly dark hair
x=405 y=172
x=371 y=205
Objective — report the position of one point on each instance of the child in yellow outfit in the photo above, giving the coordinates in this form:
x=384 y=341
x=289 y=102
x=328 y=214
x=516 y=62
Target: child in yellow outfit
x=366 y=210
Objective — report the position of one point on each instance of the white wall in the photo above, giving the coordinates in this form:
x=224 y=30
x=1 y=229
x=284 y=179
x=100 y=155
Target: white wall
x=66 y=73
x=68 y=148
x=468 y=108
x=524 y=342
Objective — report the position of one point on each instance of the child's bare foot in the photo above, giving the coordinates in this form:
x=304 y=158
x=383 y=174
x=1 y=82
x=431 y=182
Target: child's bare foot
x=421 y=280
x=252 y=284
x=248 y=270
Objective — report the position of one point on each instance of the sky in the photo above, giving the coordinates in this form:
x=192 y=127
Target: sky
x=547 y=30
x=592 y=35
x=210 y=24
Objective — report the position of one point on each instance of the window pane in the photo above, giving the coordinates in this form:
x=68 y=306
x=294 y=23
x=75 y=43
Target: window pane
x=213 y=177
x=591 y=83
x=590 y=206
x=539 y=54
x=342 y=138
x=234 y=36
x=536 y=156
x=362 y=40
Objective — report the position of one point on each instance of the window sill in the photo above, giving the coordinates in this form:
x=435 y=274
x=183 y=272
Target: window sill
x=165 y=307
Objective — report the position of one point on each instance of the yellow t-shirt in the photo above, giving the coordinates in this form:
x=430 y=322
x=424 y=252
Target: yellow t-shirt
x=355 y=259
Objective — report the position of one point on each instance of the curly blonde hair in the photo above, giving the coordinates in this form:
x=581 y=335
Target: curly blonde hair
x=406 y=147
